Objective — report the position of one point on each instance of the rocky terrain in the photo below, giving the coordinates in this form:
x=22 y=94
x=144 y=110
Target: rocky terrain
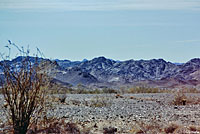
x=103 y=72
x=128 y=113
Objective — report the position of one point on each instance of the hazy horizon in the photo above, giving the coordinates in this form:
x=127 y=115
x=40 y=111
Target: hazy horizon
x=116 y=29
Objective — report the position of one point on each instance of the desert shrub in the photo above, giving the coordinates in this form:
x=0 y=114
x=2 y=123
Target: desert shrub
x=50 y=126
x=144 y=90
x=56 y=89
x=96 y=91
x=70 y=90
x=189 y=90
x=180 y=98
x=171 y=128
x=122 y=90
x=146 y=127
x=109 y=91
x=81 y=89
x=99 y=101
x=62 y=98
x=54 y=126
x=154 y=127
x=110 y=130
x=22 y=90
x=194 y=128
x=61 y=127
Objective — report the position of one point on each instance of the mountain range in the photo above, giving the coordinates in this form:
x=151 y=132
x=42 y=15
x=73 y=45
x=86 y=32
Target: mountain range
x=104 y=72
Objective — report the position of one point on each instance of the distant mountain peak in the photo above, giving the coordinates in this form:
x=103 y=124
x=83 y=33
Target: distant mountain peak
x=84 y=60
x=194 y=60
x=99 y=59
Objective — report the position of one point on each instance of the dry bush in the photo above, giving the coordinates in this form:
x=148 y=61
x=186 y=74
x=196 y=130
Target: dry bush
x=171 y=128
x=60 y=90
x=153 y=127
x=109 y=91
x=55 y=126
x=110 y=130
x=99 y=101
x=144 y=90
x=194 y=128
x=87 y=91
x=143 y=128
x=190 y=90
x=23 y=92
x=180 y=98
x=49 y=126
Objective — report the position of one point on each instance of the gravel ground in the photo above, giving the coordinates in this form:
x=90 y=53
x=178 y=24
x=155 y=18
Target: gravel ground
x=122 y=112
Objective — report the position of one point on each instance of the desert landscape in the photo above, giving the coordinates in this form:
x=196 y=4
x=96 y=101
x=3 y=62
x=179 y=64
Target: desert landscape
x=99 y=67
x=83 y=100
x=124 y=114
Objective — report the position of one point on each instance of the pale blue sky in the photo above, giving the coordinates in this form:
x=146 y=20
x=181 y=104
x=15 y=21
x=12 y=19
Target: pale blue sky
x=117 y=29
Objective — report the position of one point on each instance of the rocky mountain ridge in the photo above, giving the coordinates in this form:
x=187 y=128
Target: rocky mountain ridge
x=103 y=71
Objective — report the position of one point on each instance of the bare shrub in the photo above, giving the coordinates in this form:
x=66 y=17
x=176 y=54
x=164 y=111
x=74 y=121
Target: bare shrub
x=62 y=98
x=109 y=91
x=99 y=101
x=180 y=98
x=22 y=90
x=194 y=128
x=72 y=128
x=145 y=90
x=51 y=126
x=171 y=128
x=54 y=126
x=145 y=127
x=190 y=90
x=110 y=130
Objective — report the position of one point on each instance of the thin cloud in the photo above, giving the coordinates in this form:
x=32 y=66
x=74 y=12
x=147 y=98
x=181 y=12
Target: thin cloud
x=188 y=41
x=98 y=5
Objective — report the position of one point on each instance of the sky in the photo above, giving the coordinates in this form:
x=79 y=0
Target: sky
x=116 y=29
